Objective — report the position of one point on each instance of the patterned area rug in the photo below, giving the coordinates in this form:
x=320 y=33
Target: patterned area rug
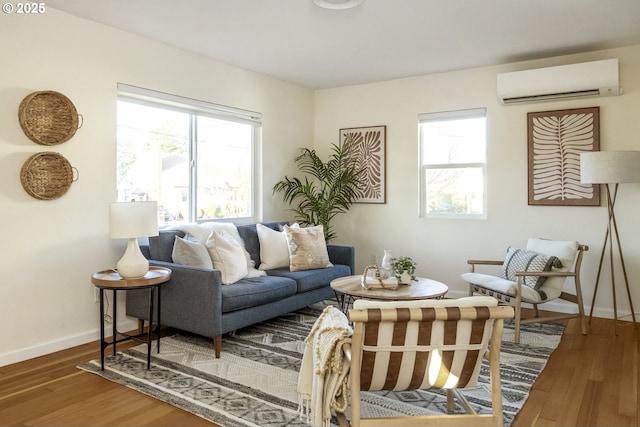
x=254 y=382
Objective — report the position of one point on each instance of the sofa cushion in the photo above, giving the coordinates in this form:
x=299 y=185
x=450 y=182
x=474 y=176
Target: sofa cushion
x=307 y=248
x=307 y=280
x=202 y=231
x=249 y=235
x=227 y=256
x=273 y=248
x=161 y=246
x=252 y=292
x=191 y=253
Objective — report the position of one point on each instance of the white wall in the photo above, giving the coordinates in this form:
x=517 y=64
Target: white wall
x=442 y=246
x=52 y=247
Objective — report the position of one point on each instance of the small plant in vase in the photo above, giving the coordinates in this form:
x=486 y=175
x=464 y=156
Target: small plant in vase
x=404 y=269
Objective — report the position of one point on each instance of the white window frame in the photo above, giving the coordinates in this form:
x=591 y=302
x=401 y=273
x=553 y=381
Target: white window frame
x=424 y=166
x=201 y=108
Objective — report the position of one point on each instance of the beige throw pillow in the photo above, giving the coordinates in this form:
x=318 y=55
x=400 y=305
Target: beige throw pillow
x=227 y=256
x=307 y=248
x=191 y=253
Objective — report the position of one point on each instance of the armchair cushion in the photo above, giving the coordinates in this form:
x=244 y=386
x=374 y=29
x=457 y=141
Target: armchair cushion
x=503 y=286
x=566 y=251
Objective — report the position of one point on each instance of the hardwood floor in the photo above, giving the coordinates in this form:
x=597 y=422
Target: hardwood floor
x=51 y=391
x=589 y=381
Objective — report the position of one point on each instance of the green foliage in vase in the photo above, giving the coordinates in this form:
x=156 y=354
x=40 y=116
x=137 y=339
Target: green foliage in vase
x=401 y=264
x=326 y=190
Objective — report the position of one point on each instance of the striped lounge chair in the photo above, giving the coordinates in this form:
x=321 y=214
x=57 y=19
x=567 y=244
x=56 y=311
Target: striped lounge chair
x=421 y=345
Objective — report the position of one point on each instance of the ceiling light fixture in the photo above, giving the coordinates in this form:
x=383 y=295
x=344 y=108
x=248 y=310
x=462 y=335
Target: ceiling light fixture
x=337 y=4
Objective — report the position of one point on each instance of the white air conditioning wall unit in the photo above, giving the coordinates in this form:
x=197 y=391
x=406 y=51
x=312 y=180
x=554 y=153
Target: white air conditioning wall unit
x=597 y=78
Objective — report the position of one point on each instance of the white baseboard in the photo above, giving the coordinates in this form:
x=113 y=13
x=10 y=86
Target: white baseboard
x=564 y=307
x=60 y=344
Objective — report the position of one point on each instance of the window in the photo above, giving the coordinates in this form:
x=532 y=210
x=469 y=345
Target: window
x=194 y=158
x=453 y=164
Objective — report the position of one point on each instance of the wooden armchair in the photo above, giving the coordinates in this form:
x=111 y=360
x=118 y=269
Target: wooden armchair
x=421 y=345
x=520 y=279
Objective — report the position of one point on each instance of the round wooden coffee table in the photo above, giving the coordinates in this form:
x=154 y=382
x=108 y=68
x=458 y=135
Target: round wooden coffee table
x=351 y=286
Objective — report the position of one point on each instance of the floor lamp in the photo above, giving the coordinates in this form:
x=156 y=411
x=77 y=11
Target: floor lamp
x=611 y=168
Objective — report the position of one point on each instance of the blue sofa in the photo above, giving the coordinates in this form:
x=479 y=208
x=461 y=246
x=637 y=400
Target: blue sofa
x=195 y=300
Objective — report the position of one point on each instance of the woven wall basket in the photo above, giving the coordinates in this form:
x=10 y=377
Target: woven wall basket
x=48 y=117
x=46 y=175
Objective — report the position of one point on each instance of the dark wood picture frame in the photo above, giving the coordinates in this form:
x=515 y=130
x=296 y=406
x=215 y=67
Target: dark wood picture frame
x=369 y=148
x=556 y=139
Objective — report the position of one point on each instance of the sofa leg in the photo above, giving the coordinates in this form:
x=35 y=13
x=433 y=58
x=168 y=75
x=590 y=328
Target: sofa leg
x=217 y=345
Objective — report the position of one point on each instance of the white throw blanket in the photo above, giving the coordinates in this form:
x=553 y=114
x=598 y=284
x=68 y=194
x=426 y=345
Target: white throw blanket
x=322 y=382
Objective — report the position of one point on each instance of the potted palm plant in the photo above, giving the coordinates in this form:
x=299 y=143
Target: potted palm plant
x=404 y=269
x=326 y=190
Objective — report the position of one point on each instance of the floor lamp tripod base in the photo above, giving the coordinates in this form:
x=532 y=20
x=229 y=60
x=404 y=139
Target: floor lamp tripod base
x=612 y=228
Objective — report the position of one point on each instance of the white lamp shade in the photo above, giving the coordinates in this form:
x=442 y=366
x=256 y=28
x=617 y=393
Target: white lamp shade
x=133 y=219
x=609 y=167
x=337 y=4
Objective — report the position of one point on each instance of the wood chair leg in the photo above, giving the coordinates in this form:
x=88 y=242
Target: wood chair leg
x=217 y=345
x=140 y=326
x=342 y=420
x=518 y=313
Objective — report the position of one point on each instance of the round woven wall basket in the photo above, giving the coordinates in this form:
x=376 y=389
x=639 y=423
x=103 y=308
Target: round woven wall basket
x=46 y=175
x=48 y=117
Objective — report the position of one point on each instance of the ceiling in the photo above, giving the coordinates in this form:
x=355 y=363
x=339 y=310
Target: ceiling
x=296 y=41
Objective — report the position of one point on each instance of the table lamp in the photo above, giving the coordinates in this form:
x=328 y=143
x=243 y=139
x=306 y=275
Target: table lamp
x=130 y=220
x=611 y=167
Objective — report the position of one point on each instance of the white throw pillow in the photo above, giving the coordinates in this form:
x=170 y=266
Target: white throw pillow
x=274 y=251
x=227 y=256
x=191 y=253
x=202 y=231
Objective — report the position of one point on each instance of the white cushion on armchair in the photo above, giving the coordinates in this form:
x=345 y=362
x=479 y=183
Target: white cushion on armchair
x=565 y=251
x=501 y=285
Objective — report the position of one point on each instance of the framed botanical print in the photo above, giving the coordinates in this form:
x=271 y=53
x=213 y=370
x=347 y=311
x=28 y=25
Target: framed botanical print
x=556 y=139
x=368 y=146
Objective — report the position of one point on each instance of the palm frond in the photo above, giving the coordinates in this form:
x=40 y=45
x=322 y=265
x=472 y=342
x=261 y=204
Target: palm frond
x=328 y=189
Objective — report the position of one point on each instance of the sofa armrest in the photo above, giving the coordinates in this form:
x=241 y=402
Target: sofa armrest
x=342 y=254
x=191 y=299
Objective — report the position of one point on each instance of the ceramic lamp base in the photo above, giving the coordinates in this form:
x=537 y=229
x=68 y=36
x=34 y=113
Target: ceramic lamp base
x=133 y=264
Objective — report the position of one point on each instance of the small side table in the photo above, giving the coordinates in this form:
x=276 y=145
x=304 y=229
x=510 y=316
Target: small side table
x=111 y=280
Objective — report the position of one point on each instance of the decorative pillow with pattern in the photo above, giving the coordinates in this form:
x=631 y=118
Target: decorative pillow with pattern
x=307 y=248
x=521 y=260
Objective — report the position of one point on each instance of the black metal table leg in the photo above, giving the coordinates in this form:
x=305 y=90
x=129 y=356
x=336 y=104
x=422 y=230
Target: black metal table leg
x=150 y=329
x=158 y=323
x=103 y=344
x=113 y=320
